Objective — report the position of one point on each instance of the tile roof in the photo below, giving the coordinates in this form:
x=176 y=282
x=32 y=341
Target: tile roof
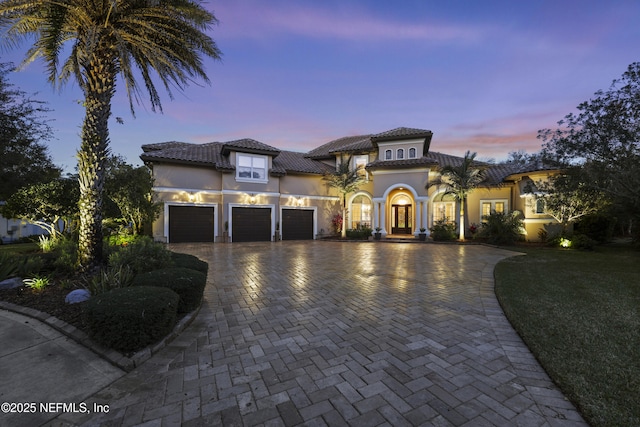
x=325 y=151
x=250 y=146
x=201 y=154
x=401 y=132
x=395 y=164
x=291 y=161
x=216 y=154
x=211 y=154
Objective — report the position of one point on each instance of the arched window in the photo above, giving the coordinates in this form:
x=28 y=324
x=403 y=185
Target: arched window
x=400 y=154
x=388 y=155
x=361 y=212
x=412 y=153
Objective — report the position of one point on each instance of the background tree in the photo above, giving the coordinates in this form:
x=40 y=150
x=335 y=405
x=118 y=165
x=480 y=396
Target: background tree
x=24 y=158
x=52 y=206
x=604 y=138
x=130 y=190
x=567 y=196
x=104 y=40
x=346 y=179
x=458 y=181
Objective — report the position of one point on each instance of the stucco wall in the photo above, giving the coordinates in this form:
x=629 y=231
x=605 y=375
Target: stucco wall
x=186 y=177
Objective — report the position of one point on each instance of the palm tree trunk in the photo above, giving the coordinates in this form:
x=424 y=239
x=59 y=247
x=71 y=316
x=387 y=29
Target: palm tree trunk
x=461 y=234
x=99 y=89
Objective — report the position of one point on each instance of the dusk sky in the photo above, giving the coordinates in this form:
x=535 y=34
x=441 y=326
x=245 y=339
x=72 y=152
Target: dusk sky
x=483 y=76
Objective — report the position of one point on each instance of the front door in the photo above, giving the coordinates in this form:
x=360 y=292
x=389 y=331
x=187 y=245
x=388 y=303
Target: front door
x=402 y=219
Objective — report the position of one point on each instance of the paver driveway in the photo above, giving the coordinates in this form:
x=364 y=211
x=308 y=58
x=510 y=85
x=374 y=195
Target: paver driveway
x=332 y=333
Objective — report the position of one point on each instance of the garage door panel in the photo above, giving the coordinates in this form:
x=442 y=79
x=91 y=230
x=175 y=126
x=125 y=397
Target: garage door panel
x=191 y=224
x=297 y=224
x=251 y=224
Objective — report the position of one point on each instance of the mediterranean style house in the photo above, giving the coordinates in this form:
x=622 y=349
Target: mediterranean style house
x=246 y=190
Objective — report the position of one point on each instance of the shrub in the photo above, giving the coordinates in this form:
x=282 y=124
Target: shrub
x=500 y=228
x=359 y=233
x=142 y=255
x=31 y=265
x=66 y=255
x=110 y=278
x=37 y=284
x=10 y=265
x=188 y=284
x=583 y=242
x=597 y=227
x=129 y=319
x=443 y=230
x=189 y=261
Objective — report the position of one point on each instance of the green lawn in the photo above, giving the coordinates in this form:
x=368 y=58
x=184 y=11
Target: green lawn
x=19 y=248
x=579 y=313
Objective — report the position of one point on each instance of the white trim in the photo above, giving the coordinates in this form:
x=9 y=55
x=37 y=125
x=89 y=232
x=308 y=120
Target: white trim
x=549 y=220
x=244 y=205
x=198 y=205
x=384 y=144
x=304 y=196
x=246 y=192
x=398 y=171
x=187 y=190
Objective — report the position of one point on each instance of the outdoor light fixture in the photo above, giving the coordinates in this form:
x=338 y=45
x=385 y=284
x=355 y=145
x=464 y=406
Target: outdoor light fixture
x=252 y=199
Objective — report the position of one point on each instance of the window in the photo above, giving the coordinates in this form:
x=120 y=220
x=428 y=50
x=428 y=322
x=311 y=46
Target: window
x=400 y=154
x=412 y=153
x=360 y=163
x=487 y=207
x=540 y=206
x=361 y=212
x=251 y=168
x=388 y=155
x=443 y=211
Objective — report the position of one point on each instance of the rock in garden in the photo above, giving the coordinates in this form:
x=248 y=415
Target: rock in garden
x=79 y=295
x=14 y=282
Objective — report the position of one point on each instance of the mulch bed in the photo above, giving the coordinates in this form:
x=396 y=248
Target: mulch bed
x=50 y=301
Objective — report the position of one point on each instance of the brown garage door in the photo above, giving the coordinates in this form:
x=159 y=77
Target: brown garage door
x=190 y=224
x=297 y=224
x=251 y=224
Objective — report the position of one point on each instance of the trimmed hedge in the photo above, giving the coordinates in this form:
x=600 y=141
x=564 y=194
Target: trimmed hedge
x=189 y=261
x=188 y=284
x=129 y=319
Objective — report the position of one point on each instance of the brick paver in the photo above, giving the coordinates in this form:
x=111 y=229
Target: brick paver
x=332 y=333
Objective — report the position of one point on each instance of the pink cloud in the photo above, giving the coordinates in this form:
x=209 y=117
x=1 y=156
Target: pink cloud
x=260 y=20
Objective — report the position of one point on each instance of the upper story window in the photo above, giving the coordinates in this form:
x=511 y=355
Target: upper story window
x=388 y=155
x=540 y=206
x=400 y=154
x=251 y=167
x=360 y=163
x=412 y=153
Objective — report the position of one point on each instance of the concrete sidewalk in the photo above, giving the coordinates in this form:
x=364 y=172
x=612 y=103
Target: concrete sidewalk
x=39 y=365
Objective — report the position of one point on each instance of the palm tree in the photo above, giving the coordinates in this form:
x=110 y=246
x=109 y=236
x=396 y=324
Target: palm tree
x=459 y=181
x=105 y=39
x=346 y=180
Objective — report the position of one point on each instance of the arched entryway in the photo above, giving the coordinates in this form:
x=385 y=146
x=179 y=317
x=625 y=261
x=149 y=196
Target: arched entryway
x=400 y=211
x=401 y=214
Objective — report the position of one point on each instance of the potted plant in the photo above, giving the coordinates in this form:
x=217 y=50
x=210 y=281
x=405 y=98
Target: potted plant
x=377 y=235
x=423 y=234
x=276 y=236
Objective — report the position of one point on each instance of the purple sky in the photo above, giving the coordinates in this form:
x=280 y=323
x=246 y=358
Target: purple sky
x=484 y=76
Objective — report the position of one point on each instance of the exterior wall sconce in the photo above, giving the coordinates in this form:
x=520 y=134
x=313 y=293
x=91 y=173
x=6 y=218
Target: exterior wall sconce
x=192 y=196
x=252 y=199
x=299 y=201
